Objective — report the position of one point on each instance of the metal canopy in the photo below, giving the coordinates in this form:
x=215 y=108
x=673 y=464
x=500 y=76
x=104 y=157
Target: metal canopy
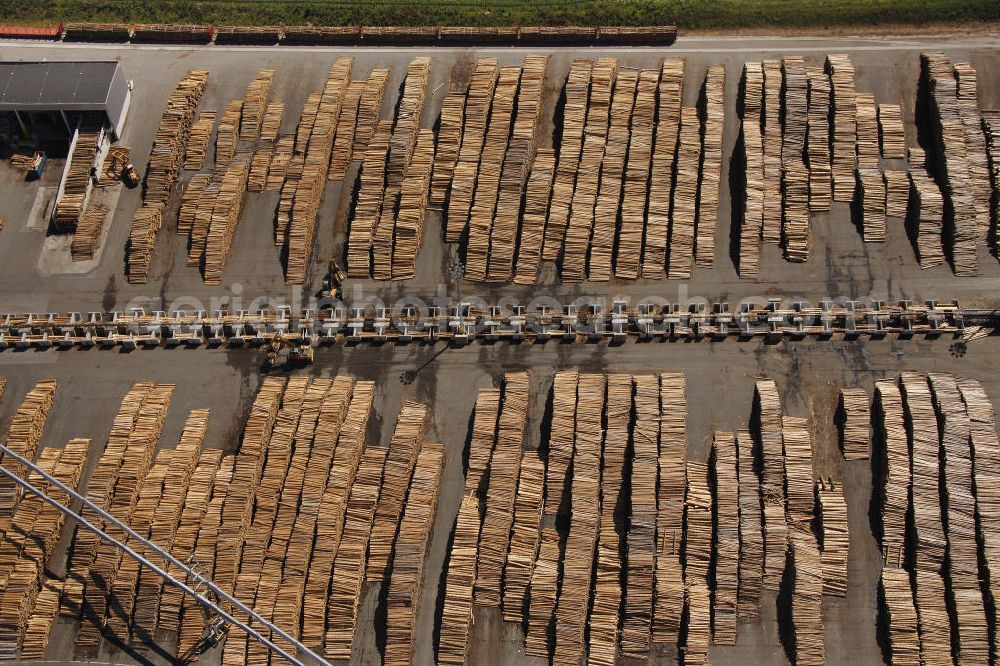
x=56 y=86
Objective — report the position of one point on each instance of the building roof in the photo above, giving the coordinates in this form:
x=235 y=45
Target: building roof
x=54 y=86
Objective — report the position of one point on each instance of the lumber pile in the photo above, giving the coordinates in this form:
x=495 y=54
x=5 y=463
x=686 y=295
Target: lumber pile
x=726 y=540
x=773 y=81
x=953 y=166
x=628 y=256
x=577 y=92
x=197 y=145
x=669 y=582
x=873 y=198
x=562 y=34
x=404 y=449
x=922 y=426
x=641 y=538
x=255 y=104
x=484 y=426
x=867 y=131
x=525 y=533
x=901 y=615
x=71 y=204
x=407 y=580
x=637 y=34
x=606 y=208
x=449 y=144
x=456 y=616
x=975 y=145
x=896 y=473
x=605 y=613
x=96 y=32
x=991 y=127
x=141 y=239
x=343 y=143
x=544 y=585
x=369 y=203
x=891 y=135
x=668 y=107
x=278 y=168
x=247 y=34
x=412 y=213
x=370 y=108
x=833 y=555
x=768 y=406
x=711 y=167
x=794 y=168
x=23 y=437
x=88 y=232
x=818 y=140
x=841 y=71
x=897 y=192
x=698 y=504
x=259 y=165
x=751 y=563
x=752 y=224
x=42 y=619
x=798 y=471
x=173 y=33
x=487 y=182
x=227 y=209
x=476 y=35
x=536 y=208
x=927 y=208
x=807 y=601
x=227 y=135
x=682 y=229
x=405 y=34
x=578 y=561
x=560 y=455
x=172 y=135
x=855 y=424
x=504 y=470
x=322 y=34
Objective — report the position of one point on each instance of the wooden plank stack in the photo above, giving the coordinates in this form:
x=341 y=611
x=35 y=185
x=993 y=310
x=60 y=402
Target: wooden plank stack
x=227 y=134
x=142 y=236
x=901 y=615
x=484 y=437
x=227 y=209
x=197 y=145
x=456 y=616
x=891 y=135
x=247 y=34
x=669 y=599
x=896 y=477
x=698 y=504
x=794 y=168
x=975 y=146
x=96 y=32
x=525 y=533
x=991 y=127
x=928 y=210
x=369 y=204
x=711 y=168
x=409 y=225
x=628 y=257
x=818 y=141
x=768 y=406
x=280 y=159
x=23 y=437
x=173 y=33
x=71 y=204
x=833 y=556
x=668 y=106
x=682 y=229
x=172 y=135
x=841 y=71
x=798 y=471
x=370 y=108
x=897 y=192
x=855 y=425
x=544 y=586
x=726 y=540
x=751 y=564
x=448 y=145
x=88 y=232
x=807 y=602
x=867 y=131
x=752 y=223
x=872 y=187
x=773 y=82
x=343 y=143
x=536 y=208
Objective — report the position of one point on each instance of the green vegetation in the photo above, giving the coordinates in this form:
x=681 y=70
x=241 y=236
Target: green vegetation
x=687 y=14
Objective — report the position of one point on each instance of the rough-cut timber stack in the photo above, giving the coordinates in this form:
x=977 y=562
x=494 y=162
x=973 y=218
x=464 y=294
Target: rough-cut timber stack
x=456 y=616
x=668 y=108
x=975 y=146
x=524 y=536
x=487 y=182
x=641 y=542
x=96 y=32
x=807 y=602
x=516 y=165
x=698 y=552
x=901 y=615
x=227 y=134
x=798 y=471
x=370 y=108
x=727 y=539
x=197 y=145
x=23 y=438
x=605 y=612
x=628 y=258
x=873 y=222
x=845 y=109
x=570 y=149
x=347 y=124
x=897 y=192
x=325 y=34
x=680 y=260
x=536 y=208
x=608 y=201
x=953 y=163
x=227 y=209
x=711 y=167
x=669 y=600
x=449 y=142
x=833 y=510
x=369 y=203
x=409 y=226
x=69 y=208
x=751 y=565
x=891 y=134
x=794 y=170
x=818 y=140
x=578 y=562
x=142 y=236
x=773 y=81
x=752 y=223
x=768 y=405
x=247 y=34
x=855 y=427
x=88 y=232
x=172 y=135
x=867 y=131
x=407 y=580
x=991 y=126
x=544 y=584
x=504 y=470
x=927 y=210
x=174 y=33
x=312 y=179
x=896 y=471
x=477 y=112
x=484 y=438
x=43 y=618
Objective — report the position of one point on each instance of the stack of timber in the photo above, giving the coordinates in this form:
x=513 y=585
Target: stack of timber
x=544 y=586
x=405 y=34
x=141 y=239
x=794 y=169
x=901 y=615
x=771 y=232
x=726 y=540
x=484 y=438
x=280 y=159
x=668 y=108
x=680 y=259
x=637 y=34
x=891 y=135
x=174 y=33
x=891 y=429
x=448 y=145
x=525 y=533
x=628 y=257
x=96 y=32
x=476 y=35
x=536 y=208
x=669 y=600
x=564 y=401
x=172 y=135
x=201 y=134
x=753 y=157
x=260 y=164
x=570 y=148
x=227 y=135
x=226 y=211
x=43 y=618
x=751 y=563
x=798 y=471
x=874 y=228
x=563 y=34
x=247 y=34
x=370 y=108
x=953 y=167
x=71 y=204
x=897 y=192
x=456 y=616
x=711 y=168
x=975 y=146
x=807 y=602
x=343 y=143
x=991 y=126
x=88 y=232
x=369 y=203
x=409 y=226
x=833 y=557
x=841 y=71
x=23 y=437
x=487 y=182
x=927 y=209
x=698 y=551
x=322 y=34
x=855 y=424
x=867 y=131
x=818 y=140
x=768 y=406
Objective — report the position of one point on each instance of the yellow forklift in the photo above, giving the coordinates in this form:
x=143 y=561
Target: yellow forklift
x=299 y=354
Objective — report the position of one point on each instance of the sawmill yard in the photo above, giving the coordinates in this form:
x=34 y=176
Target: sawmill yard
x=512 y=503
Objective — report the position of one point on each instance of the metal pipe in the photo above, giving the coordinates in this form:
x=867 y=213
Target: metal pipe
x=253 y=615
